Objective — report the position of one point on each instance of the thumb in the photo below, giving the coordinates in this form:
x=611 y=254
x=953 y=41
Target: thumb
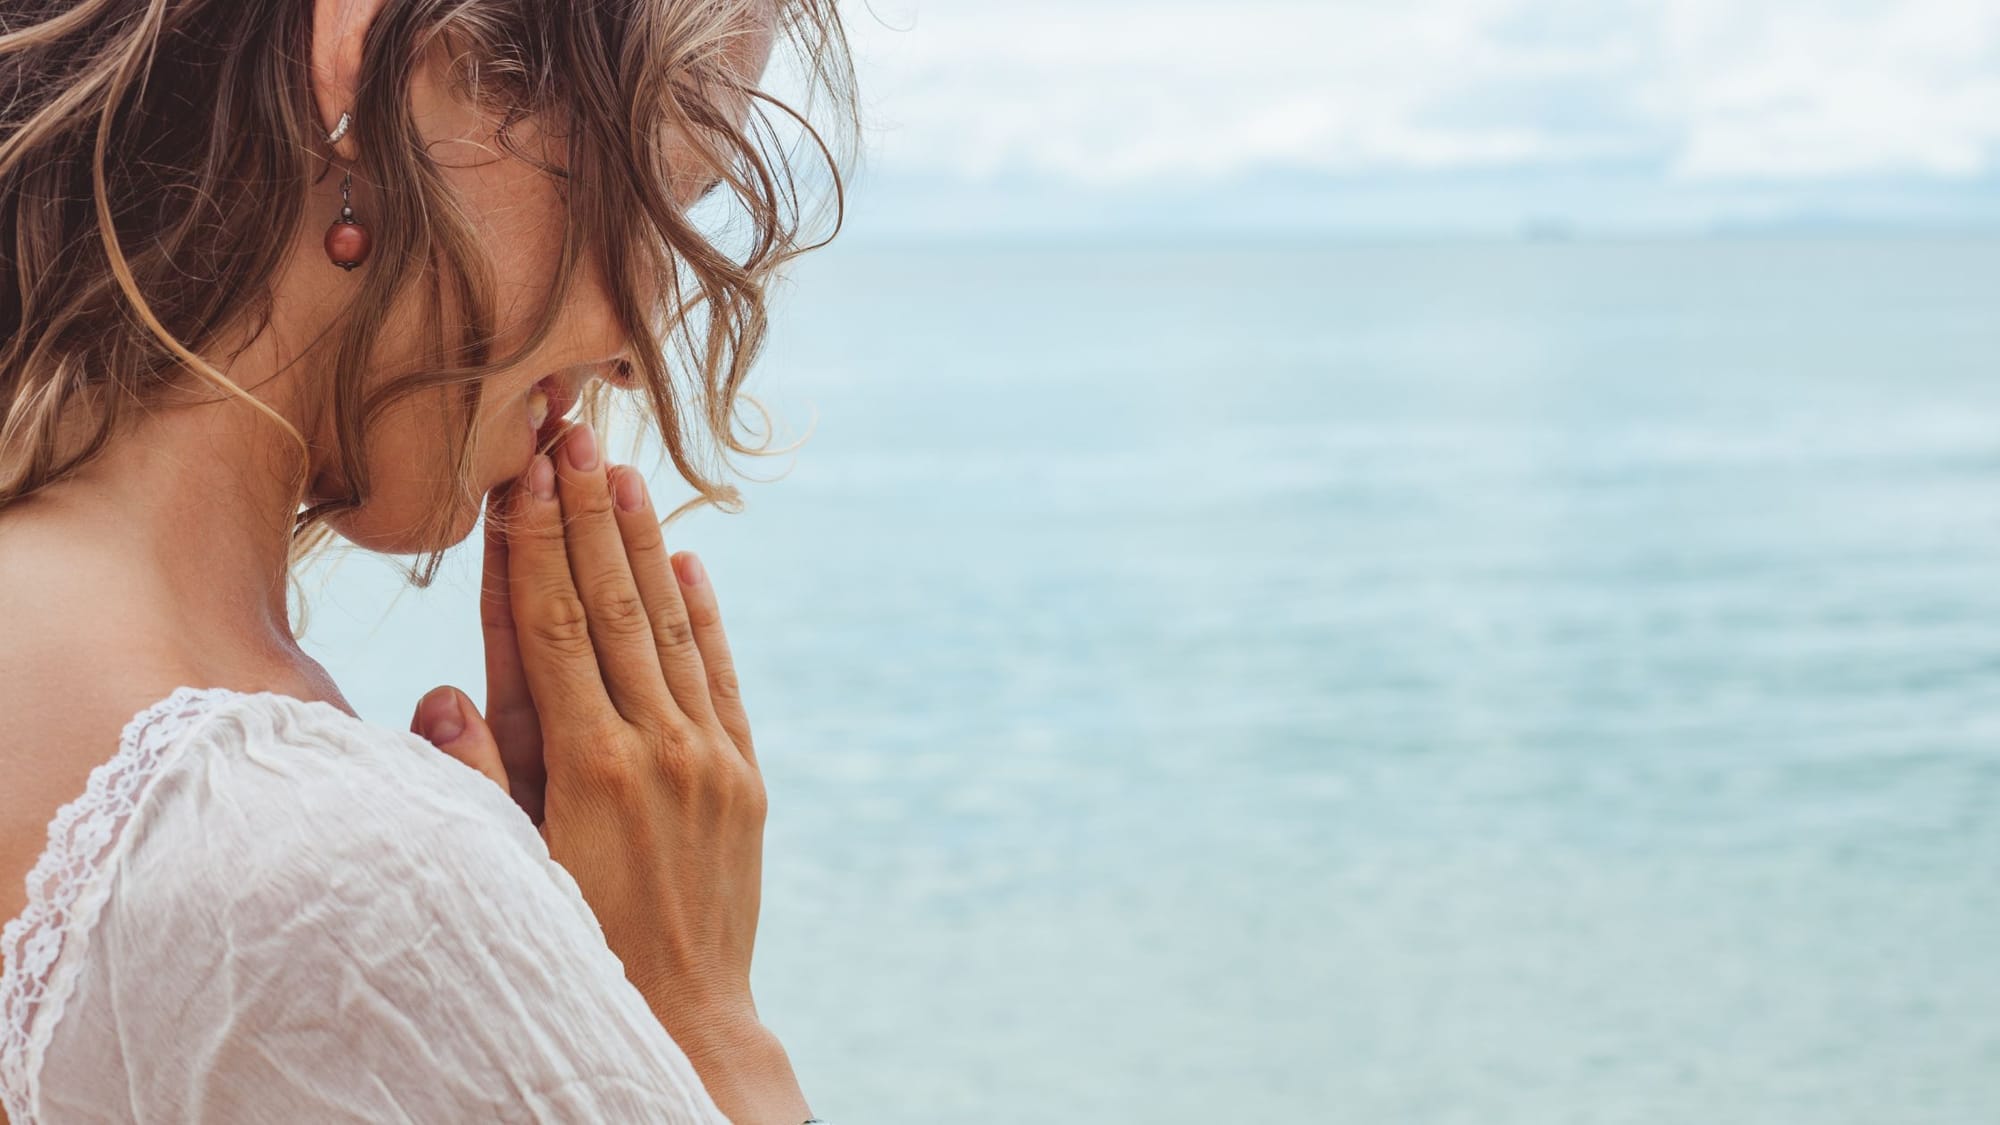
x=447 y=718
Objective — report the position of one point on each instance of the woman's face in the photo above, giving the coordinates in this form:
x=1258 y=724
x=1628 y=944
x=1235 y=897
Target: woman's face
x=518 y=215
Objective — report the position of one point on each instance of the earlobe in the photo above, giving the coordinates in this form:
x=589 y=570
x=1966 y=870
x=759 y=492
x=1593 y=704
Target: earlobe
x=339 y=31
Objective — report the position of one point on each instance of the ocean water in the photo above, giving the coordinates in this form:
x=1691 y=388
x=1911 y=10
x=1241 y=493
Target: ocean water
x=1478 y=683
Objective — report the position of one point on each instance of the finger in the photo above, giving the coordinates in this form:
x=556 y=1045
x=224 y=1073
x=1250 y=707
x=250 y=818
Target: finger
x=619 y=628
x=673 y=634
x=548 y=615
x=506 y=679
x=510 y=709
x=447 y=720
x=705 y=615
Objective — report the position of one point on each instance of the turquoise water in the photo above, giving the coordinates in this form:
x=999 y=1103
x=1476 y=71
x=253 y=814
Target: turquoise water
x=1460 y=683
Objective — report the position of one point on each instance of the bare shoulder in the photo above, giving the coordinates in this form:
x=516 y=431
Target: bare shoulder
x=83 y=652
x=63 y=707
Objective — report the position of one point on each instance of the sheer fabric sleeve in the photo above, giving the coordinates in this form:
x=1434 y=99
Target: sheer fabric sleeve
x=319 y=919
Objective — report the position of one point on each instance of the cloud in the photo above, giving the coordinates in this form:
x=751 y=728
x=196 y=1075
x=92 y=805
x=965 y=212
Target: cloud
x=1112 y=94
x=1806 y=88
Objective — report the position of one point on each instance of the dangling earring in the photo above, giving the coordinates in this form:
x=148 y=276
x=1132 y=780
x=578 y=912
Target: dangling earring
x=347 y=241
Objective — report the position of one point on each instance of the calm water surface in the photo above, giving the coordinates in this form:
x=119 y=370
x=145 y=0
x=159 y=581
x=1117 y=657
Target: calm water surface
x=1484 y=684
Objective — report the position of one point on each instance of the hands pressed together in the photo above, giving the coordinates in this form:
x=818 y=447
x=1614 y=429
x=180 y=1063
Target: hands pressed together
x=614 y=720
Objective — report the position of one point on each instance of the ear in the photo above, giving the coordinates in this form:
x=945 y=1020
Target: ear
x=340 y=27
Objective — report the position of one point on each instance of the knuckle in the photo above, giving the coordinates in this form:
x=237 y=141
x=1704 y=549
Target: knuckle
x=559 y=624
x=539 y=533
x=672 y=631
x=702 y=612
x=704 y=774
x=591 y=503
x=754 y=800
x=677 y=752
x=610 y=774
x=723 y=686
x=583 y=730
x=617 y=606
x=735 y=795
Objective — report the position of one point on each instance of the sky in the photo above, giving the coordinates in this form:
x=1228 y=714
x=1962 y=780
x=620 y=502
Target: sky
x=1427 y=116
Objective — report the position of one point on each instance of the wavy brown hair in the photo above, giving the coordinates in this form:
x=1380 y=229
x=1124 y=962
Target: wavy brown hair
x=155 y=157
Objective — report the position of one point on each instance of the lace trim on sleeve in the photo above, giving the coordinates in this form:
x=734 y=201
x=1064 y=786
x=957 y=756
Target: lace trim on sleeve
x=81 y=837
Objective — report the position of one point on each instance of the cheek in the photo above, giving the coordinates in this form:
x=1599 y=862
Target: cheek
x=591 y=315
x=413 y=503
x=520 y=221
x=505 y=440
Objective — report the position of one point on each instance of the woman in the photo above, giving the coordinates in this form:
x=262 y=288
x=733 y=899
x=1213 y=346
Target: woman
x=275 y=269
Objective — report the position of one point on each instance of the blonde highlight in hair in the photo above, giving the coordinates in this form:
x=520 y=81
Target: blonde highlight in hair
x=156 y=155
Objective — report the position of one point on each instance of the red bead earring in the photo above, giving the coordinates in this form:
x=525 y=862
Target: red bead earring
x=347 y=241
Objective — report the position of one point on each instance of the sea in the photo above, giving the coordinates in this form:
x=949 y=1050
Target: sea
x=1460 y=682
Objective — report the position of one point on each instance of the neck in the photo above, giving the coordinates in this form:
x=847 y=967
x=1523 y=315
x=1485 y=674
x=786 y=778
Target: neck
x=177 y=533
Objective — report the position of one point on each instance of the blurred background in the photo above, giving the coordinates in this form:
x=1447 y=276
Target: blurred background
x=1426 y=562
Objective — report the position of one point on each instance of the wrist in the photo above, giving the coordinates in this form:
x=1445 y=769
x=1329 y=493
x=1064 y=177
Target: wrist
x=746 y=1071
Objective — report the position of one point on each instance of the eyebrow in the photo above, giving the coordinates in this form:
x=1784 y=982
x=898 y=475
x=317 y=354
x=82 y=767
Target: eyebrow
x=710 y=189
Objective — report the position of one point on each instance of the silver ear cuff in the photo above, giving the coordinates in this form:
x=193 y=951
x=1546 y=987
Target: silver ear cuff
x=339 y=129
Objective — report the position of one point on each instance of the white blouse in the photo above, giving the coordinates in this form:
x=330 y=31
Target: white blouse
x=263 y=909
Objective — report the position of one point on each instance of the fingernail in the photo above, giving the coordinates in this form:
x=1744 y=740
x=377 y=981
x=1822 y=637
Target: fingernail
x=440 y=717
x=689 y=568
x=630 y=489
x=580 y=446
x=542 y=477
